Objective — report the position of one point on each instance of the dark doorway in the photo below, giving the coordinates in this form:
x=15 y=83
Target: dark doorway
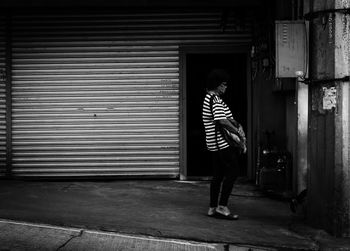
x=197 y=68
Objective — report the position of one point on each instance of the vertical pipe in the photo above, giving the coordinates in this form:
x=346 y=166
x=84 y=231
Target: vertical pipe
x=302 y=96
x=302 y=125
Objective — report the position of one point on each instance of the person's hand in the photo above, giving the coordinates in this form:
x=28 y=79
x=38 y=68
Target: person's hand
x=244 y=149
x=235 y=137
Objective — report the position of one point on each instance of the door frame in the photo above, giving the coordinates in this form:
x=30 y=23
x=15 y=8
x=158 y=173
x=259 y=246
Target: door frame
x=183 y=52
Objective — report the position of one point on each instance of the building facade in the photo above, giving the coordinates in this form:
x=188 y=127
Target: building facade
x=88 y=93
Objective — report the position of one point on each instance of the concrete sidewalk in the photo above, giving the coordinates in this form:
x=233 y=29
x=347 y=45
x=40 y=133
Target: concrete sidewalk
x=160 y=209
x=27 y=236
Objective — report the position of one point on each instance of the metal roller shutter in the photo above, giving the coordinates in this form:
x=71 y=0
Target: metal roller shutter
x=98 y=95
x=2 y=99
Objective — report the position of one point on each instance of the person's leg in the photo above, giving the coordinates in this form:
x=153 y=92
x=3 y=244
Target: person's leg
x=299 y=199
x=215 y=186
x=229 y=158
x=230 y=164
x=301 y=196
x=216 y=181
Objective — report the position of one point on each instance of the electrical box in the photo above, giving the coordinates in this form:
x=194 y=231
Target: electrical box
x=291 y=48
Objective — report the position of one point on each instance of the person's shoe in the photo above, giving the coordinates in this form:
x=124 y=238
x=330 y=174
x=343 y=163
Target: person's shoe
x=293 y=205
x=211 y=211
x=223 y=210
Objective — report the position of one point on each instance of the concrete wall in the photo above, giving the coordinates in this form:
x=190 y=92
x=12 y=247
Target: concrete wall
x=329 y=183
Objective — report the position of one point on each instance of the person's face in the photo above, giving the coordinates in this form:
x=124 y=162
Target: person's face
x=222 y=88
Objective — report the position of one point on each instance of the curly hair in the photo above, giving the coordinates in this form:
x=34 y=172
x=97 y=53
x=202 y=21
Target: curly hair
x=216 y=77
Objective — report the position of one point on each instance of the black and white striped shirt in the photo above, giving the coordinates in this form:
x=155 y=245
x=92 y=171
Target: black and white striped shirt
x=219 y=111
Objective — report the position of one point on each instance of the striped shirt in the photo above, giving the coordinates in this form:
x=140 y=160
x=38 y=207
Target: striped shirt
x=219 y=111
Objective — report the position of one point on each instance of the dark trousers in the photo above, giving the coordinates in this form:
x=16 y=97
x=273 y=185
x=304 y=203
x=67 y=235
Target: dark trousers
x=225 y=172
x=301 y=196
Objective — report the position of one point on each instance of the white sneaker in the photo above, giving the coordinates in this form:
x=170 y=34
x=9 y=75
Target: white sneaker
x=223 y=210
x=211 y=211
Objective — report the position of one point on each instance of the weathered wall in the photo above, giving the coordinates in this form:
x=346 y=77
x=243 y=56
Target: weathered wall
x=329 y=184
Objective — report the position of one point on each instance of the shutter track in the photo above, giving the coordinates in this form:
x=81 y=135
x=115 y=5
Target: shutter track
x=2 y=99
x=98 y=95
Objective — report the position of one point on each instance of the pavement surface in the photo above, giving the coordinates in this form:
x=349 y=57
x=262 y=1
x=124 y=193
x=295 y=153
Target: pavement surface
x=147 y=215
x=28 y=236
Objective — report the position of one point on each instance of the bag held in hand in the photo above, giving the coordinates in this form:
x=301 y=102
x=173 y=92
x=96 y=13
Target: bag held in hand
x=234 y=138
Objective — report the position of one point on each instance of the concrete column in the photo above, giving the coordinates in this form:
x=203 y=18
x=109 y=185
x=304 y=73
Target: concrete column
x=328 y=204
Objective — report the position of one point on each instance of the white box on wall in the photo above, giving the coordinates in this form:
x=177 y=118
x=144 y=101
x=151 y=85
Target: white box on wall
x=291 y=48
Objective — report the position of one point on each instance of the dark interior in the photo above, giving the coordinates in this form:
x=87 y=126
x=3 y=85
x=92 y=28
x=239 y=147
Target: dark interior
x=197 y=68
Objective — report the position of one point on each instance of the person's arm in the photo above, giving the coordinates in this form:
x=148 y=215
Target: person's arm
x=229 y=126
x=225 y=123
x=220 y=117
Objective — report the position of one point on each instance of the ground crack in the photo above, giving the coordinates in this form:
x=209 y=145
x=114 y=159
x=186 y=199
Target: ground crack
x=71 y=238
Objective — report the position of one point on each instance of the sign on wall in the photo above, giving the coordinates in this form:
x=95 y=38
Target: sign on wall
x=329 y=98
x=290 y=48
